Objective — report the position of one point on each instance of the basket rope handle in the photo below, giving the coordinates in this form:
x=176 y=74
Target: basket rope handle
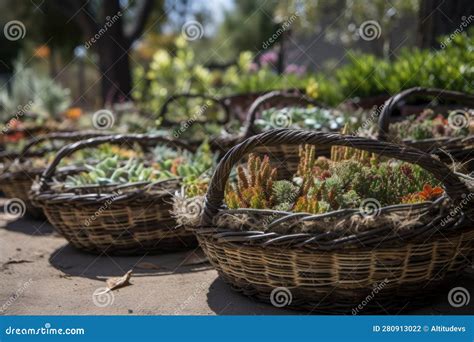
x=142 y=139
x=391 y=104
x=172 y=98
x=454 y=187
x=273 y=99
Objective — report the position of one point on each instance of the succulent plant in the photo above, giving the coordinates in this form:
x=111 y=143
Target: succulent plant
x=322 y=185
x=254 y=188
x=111 y=171
x=316 y=118
x=427 y=125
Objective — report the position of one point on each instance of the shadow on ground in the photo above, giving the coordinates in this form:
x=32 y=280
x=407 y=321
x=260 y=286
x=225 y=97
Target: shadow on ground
x=27 y=225
x=225 y=301
x=74 y=262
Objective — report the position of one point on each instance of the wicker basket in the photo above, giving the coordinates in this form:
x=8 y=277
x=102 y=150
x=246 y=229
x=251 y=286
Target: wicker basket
x=283 y=157
x=17 y=183
x=332 y=272
x=240 y=104
x=31 y=131
x=461 y=149
x=120 y=219
x=218 y=144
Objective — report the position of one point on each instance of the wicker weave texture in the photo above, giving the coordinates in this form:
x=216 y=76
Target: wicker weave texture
x=324 y=272
x=335 y=282
x=120 y=229
x=119 y=219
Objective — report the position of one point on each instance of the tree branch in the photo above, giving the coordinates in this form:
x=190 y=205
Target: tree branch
x=142 y=16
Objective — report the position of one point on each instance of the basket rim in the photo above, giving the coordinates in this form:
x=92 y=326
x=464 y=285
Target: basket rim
x=390 y=105
x=48 y=191
x=334 y=239
x=269 y=241
x=454 y=187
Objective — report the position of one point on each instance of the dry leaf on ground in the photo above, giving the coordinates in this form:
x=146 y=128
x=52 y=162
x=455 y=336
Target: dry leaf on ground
x=114 y=283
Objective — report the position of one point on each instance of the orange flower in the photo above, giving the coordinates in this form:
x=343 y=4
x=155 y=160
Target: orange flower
x=427 y=194
x=42 y=51
x=430 y=193
x=74 y=113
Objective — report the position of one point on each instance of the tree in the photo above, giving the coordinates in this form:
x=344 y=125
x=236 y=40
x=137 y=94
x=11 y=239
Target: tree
x=103 y=25
x=246 y=27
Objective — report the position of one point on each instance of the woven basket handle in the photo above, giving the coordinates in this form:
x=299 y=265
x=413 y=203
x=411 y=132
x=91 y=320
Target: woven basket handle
x=141 y=139
x=273 y=99
x=454 y=187
x=64 y=136
x=391 y=104
x=171 y=99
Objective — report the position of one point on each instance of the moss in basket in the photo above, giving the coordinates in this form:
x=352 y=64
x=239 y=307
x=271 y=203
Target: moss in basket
x=322 y=185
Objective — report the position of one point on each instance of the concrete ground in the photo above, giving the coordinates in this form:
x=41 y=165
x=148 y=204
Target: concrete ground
x=40 y=274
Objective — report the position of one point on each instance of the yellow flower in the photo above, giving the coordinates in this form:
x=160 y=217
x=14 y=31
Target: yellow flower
x=245 y=59
x=161 y=59
x=181 y=42
x=312 y=88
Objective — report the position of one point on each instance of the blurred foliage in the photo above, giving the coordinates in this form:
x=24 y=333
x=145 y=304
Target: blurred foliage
x=245 y=27
x=170 y=72
x=339 y=20
x=450 y=68
x=32 y=93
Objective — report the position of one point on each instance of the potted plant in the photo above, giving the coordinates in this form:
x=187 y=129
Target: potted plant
x=375 y=214
x=120 y=206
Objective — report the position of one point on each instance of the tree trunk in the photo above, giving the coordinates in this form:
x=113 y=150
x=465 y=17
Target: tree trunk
x=114 y=64
x=114 y=67
x=441 y=17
